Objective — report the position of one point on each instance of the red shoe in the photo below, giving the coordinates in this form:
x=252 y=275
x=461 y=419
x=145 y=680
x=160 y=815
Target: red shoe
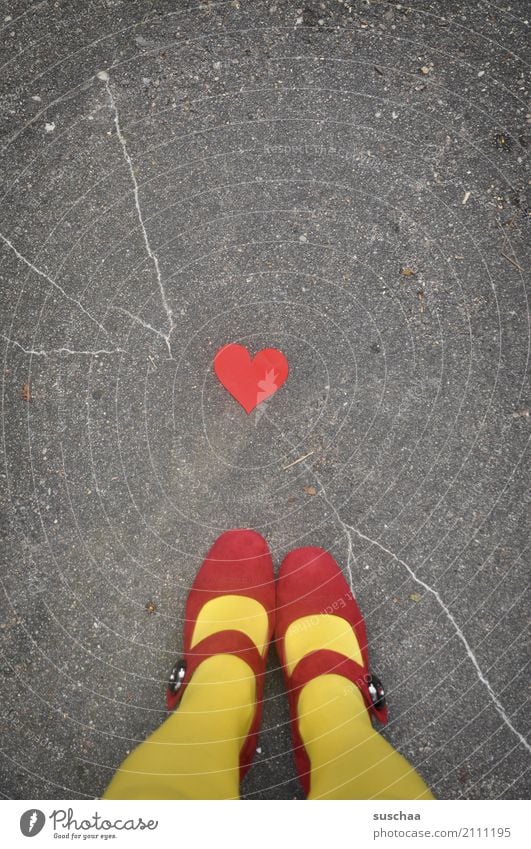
x=310 y=583
x=239 y=563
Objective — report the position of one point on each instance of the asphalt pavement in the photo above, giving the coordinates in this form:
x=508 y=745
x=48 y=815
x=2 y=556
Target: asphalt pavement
x=345 y=181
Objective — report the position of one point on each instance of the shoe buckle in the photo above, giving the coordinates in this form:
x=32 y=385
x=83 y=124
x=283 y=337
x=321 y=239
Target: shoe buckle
x=177 y=675
x=376 y=691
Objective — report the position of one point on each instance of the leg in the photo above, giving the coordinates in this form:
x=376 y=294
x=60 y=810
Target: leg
x=349 y=759
x=206 y=745
x=322 y=642
x=195 y=753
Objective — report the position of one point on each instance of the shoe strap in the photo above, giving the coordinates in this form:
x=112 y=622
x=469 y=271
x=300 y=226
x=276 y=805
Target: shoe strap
x=327 y=662
x=222 y=642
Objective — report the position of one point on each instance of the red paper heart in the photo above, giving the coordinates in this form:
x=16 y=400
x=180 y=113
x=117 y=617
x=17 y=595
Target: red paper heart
x=248 y=380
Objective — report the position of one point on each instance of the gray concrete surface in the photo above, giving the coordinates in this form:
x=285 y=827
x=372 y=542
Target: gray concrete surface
x=345 y=181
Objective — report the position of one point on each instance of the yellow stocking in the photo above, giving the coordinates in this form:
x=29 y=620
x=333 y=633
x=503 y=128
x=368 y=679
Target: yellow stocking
x=349 y=759
x=195 y=753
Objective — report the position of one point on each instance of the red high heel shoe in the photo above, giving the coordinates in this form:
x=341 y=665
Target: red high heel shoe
x=310 y=583
x=239 y=563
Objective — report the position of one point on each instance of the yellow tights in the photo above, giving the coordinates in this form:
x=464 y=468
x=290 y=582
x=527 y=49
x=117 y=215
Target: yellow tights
x=195 y=752
x=349 y=759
